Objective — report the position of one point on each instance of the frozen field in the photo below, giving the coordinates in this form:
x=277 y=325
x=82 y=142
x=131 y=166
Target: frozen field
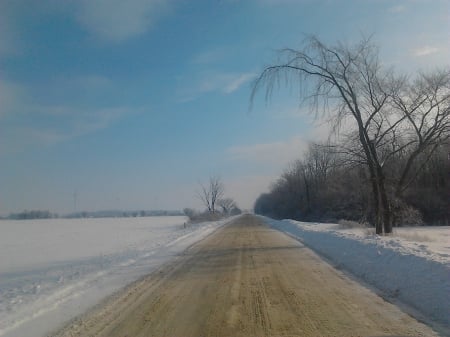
x=52 y=270
x=411 y=267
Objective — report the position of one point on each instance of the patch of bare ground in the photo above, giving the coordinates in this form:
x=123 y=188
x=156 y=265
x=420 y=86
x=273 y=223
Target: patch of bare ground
x=247 y=280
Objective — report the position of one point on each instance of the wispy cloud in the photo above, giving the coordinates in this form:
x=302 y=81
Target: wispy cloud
x=117 y=20
x=58 y=124
x=225 y=83
x=246 y=189
x=279 y=153
x=30 y=118
x=235 y=83
x=101 y=118
x=425 y=51
x=397 y=9
x=75 y=122
x=209 y=56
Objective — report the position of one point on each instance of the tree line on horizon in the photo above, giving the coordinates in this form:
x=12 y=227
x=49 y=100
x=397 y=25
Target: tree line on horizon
x=45 y=214
x=324 y=185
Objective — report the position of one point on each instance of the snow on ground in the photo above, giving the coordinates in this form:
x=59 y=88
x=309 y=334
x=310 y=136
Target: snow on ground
x=411 y=267
x=53 y=270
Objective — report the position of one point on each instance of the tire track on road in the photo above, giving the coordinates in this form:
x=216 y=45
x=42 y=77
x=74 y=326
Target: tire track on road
x=247 y=280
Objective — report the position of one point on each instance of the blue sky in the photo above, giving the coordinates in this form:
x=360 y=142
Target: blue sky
x=130 y=104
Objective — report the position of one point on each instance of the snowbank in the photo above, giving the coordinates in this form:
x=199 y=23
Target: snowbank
x=53 y=270
x=414 y=273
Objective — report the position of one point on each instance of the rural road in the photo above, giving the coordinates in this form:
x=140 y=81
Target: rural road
x=246 y=280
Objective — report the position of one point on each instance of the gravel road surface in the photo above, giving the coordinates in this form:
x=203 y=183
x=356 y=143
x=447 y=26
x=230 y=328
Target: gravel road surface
x=246 y=280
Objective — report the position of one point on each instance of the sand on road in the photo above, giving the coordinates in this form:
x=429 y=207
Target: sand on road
x=246 y=280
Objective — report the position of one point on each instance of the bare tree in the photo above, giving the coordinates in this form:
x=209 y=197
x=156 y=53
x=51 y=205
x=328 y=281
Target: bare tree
x=425 y=108
x=227 y=205
x=211 y=193
x=391 y=114
x=205 y=196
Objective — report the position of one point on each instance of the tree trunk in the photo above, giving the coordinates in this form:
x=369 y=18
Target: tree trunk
x=376 y=206
x=308 y=196
x=386 y=215
x=375 y=174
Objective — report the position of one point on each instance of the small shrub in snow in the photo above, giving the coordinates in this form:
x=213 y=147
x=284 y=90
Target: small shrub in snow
x=204 y=216
x=413 y=236
x=370 y=231
x=405 y=215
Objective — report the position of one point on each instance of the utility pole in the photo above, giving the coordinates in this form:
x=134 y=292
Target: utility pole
x=75 y=196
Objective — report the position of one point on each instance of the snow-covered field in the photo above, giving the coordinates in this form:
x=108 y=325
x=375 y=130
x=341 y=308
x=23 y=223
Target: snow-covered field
x=53 y=270
x=411 y=267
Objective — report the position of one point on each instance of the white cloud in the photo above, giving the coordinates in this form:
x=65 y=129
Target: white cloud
x=117 y=20
x=279 y=153
x=235 y=83
x=19 y=112
x=246 y=189
x=75 y=122
x=397 y=9
x=58 y=124
x=225 y=83
x=17 y=138
x=209 y=56
x=98 y=119
x=425 y=51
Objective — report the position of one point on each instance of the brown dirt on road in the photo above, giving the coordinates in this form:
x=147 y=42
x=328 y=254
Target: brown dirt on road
x=247 y=280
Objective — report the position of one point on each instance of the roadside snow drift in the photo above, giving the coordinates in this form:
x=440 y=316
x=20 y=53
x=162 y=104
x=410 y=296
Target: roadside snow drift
x=411 y=267
x=53 y=270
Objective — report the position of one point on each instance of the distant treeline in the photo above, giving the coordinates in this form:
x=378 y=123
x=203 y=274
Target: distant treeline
x=326 y=186
x=35 y=214
x=123 y=214
x=38 y=214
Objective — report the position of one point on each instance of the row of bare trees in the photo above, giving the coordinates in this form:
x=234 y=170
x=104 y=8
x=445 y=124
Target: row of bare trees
x=326 y=186
x=394 y=124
